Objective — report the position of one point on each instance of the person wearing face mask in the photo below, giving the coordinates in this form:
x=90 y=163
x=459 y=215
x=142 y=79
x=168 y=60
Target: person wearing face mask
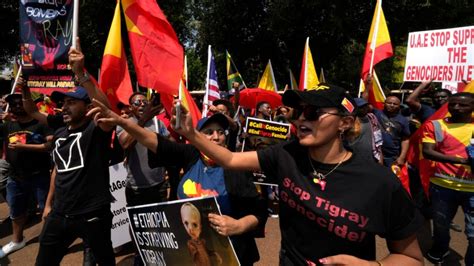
x=243 y=213
x=332 y=201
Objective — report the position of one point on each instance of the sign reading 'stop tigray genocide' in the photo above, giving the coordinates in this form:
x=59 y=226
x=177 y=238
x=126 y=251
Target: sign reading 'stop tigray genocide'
x=179 y=233
x=45 y=39
x=441 y=55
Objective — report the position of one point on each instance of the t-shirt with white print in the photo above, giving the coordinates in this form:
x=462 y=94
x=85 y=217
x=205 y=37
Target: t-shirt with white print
x=361 y=199
x=81 y=157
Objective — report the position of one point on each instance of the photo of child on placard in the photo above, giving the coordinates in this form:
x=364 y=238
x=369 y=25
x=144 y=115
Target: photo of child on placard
x=191 y=218
x=179 y=233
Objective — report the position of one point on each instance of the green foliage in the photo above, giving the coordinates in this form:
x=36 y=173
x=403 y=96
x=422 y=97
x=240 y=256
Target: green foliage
x=254 y=31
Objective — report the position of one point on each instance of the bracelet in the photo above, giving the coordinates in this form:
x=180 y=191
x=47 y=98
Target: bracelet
x=379 y=263
x=78 y=81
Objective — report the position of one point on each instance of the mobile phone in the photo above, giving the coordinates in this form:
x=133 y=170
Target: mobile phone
x=156 y=99
x=177 y=124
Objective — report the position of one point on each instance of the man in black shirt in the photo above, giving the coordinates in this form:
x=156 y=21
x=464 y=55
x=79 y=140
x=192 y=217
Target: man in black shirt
x=27 y=152
x=81 y=206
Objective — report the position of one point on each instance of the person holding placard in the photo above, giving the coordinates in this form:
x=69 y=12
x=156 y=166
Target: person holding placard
x=244 y=215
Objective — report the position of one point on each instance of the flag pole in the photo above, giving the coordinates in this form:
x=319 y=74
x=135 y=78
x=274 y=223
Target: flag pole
x=75 y=23
x=306 y=48
x=376 y=79
x=206 y=95
x=232 y=62
x=373 y=43
x=14 y=85
x=273 y=75
x=361 y=85
x=186 y=70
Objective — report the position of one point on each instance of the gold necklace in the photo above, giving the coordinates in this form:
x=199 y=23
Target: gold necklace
x=319 y=178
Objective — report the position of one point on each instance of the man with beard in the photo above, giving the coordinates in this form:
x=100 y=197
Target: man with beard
x=81 y=202
x=27 y=147
x=144 y=185
x=395 y=132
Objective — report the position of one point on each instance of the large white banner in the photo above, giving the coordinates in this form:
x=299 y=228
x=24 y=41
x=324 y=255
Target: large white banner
x=120 y=222
x=442 y=55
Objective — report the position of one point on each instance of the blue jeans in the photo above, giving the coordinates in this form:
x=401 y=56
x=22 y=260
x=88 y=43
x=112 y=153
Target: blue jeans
x=19 y=192
x=445 y=203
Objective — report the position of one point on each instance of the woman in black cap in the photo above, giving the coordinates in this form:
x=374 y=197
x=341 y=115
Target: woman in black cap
x=244 y=215
x=332 y=201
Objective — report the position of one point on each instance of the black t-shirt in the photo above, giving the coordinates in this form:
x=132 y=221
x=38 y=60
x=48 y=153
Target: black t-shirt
x=361 y=199
x=26 y=163
x=81 y=157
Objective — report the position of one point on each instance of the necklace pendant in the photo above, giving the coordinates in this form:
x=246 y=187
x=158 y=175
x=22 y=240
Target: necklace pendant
x=320 y=182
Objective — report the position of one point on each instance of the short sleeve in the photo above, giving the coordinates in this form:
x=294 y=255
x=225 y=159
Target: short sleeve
x=119 y=130
x=162 y=129
x=405 y=127
x=425 y=112
x=170 y=153
x=47 y=131
x=55 y=121
x=428 y=133
x=403 y=219
x=267 y=158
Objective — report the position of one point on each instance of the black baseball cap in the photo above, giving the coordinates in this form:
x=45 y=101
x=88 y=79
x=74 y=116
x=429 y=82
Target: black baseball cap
x=79 y=93
x=216 y=118
x=12 y=96
x=323 y=95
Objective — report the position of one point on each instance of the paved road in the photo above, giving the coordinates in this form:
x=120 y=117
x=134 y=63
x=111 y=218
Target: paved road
x=268 y=246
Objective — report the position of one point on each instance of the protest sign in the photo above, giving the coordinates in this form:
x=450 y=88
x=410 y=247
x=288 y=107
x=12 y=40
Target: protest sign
x=120 y=222
x=263 y=133
x=442 y=55
x=179 y=233
x=45 y=39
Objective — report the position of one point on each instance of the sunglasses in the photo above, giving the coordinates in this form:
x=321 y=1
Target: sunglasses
x=210 y=131
x=310 y=112
x=139 y=102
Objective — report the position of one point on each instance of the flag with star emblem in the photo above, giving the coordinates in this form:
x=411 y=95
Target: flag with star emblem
x=114 y=77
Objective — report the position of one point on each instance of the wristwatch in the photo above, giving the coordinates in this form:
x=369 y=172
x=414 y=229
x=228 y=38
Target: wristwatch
x=78 y=81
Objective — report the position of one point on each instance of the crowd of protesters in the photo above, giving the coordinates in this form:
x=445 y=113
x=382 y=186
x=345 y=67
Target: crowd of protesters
x=337 y=187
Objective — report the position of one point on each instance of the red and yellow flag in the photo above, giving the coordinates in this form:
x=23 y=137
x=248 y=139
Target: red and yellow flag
x=114 y=76
x=156 y=51
x=376 y=94
x=308 y=77
x=379 y=46
x=186 y=100
x=415 y=155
